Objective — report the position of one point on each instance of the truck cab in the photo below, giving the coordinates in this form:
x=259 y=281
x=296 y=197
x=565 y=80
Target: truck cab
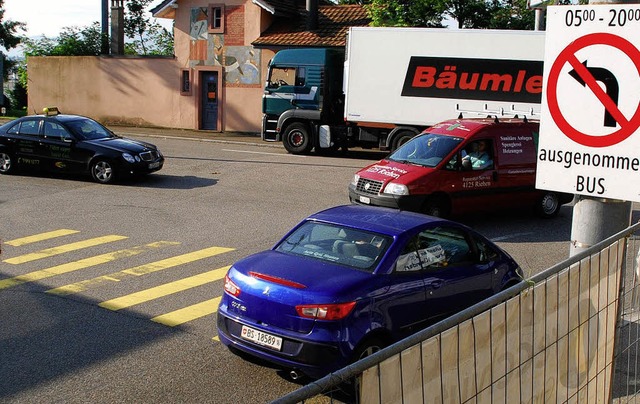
x=303 y=91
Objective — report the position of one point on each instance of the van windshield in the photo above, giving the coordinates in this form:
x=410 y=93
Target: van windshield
x=425 y=150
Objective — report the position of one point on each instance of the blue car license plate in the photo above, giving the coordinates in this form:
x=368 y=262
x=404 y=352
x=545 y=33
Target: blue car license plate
x=261 y=338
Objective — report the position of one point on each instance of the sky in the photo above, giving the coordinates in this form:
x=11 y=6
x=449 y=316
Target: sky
x=46 y=17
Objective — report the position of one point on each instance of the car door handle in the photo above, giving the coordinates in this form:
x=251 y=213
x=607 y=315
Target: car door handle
x=436 y=284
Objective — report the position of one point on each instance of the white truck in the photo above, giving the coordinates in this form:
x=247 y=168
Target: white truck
x=391 y=83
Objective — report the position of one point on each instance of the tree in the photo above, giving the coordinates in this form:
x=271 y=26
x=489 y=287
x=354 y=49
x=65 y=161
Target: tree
x=9 y=38
x=148 y=37
x=73 y=41
x=512 y=14
x=406 y=13
x=155 y=41
x=497 y=14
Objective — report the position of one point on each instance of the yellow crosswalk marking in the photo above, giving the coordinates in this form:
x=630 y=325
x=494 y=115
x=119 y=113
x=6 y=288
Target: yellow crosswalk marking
x=81 y=264
x=40 y=237
x=165 y=290
x=189 y=313
x=140 y=270
x=49 y=252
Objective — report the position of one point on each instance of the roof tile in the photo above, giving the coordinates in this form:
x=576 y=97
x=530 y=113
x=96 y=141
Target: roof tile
x=333 y=24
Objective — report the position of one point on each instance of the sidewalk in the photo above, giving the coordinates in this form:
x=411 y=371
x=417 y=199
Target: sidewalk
x=196 y=135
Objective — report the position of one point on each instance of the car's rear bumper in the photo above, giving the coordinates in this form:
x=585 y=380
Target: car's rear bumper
x=311 y=358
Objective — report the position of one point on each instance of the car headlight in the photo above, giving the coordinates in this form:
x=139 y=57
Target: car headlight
x=355 y=180
x=396 y=189
x=129 y=158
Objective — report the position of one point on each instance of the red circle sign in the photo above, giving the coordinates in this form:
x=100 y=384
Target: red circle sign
x=568 y=55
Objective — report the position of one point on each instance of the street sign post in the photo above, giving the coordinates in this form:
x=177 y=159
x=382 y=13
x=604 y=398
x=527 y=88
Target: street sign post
x=590 y=115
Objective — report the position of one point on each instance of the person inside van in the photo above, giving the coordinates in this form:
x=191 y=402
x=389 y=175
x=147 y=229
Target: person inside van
x=479 y=158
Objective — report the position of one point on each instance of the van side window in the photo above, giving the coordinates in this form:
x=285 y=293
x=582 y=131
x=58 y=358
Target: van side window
x=478 y=155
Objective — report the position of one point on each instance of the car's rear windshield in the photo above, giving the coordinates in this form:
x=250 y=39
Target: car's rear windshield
x=87 y=129
x=336 y=244
x=426 y=150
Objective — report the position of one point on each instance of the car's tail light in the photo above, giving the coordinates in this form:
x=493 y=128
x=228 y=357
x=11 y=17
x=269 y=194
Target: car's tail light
x=230 y=287
x=325 y=311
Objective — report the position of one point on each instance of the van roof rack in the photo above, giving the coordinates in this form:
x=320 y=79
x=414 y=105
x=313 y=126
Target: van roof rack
x=496 y=113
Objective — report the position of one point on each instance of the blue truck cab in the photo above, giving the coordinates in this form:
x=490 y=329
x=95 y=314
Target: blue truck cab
x=303 y=98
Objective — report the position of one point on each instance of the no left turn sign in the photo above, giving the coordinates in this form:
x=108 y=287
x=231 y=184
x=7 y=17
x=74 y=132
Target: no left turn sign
x=589 y=140
x=590 y=77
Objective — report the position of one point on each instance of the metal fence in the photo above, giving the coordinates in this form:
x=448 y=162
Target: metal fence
x=569 y=334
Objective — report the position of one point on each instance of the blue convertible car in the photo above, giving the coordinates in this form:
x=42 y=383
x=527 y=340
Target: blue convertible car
x=349 y=280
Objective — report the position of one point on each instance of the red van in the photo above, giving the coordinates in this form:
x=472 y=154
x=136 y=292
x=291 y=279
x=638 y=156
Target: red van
x=461 y=166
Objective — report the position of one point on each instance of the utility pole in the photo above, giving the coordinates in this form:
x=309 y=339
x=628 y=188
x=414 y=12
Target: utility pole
x=105 y=28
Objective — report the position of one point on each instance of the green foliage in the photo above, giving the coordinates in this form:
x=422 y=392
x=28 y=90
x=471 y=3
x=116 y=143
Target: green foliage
x=73 y=41
x=147 y=36
x=156 y=41
x=18 y=98
x=405 y=13
x=512 y=14
x=496 y=14
x=10 y=37
x=9 y=31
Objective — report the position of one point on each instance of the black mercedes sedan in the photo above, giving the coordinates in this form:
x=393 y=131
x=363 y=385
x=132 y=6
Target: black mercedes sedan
x=74 y=144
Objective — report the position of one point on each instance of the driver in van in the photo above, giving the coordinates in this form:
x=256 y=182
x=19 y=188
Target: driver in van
x=479 y=158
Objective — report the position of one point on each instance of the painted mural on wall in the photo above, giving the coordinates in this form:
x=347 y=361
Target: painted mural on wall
x=241 y=64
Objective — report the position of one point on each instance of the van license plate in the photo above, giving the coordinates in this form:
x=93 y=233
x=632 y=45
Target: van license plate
x=365 y=199
x=261 y=338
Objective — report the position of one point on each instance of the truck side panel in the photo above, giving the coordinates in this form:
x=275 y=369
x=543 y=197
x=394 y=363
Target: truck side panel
x=421 y=76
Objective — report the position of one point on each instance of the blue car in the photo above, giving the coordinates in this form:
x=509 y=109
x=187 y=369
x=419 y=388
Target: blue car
x=350 y=280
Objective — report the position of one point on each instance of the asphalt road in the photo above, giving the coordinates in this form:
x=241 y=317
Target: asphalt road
x=111 y=310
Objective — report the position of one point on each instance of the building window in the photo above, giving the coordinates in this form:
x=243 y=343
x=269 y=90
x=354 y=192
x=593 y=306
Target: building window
x=216 y=19
x=185 y=82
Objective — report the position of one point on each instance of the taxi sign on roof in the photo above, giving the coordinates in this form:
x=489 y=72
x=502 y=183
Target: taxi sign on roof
x=590 y=118
x=50 y=111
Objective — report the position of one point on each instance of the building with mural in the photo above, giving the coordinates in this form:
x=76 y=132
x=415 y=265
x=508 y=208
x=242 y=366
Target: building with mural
x=215 y=79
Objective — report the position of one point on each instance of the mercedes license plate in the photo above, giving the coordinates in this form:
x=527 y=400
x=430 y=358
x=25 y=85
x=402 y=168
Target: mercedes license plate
x=154 y=165
x=261 y=338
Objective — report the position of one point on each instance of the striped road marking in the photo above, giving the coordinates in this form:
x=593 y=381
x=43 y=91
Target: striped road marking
x=81 y=264
x=165 y=290
x=189 y=313
x=49 y=252
x=140 y=270
x=40 y=237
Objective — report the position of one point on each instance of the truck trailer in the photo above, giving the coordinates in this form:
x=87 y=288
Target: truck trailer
x=391 y=83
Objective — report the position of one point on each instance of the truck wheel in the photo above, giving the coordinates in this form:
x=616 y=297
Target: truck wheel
x=436 y=206
x=7 y=162
x=297 y=139
x=401 y=138
x=549 y=205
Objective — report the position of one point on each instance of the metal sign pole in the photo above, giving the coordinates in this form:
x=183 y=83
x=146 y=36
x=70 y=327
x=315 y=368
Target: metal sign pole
x=596 y=219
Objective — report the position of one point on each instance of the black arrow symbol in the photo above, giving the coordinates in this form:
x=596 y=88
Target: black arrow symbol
x=610 y=83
